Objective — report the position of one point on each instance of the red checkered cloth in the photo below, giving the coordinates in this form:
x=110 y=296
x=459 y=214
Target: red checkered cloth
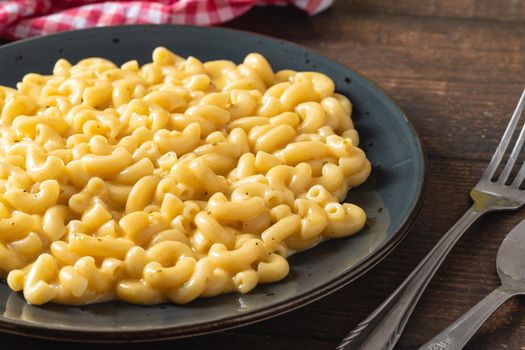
x=25 y=18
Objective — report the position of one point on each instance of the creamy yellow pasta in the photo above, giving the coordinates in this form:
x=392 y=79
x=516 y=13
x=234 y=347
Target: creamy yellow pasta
x=169 y=181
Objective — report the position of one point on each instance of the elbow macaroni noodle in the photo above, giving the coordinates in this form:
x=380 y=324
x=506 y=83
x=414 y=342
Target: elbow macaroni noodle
x=170 y=181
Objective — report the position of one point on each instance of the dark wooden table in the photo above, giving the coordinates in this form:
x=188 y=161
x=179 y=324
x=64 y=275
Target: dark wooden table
x=457 y=67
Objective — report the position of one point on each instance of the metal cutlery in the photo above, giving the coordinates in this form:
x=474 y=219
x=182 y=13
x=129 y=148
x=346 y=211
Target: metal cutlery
x=510 y=264
x=495 y=191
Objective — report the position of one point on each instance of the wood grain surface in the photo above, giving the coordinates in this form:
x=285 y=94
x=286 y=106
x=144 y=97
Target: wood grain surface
x=457 y=67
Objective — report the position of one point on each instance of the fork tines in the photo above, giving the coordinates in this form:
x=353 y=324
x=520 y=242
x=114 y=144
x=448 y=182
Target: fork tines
x=497 y=159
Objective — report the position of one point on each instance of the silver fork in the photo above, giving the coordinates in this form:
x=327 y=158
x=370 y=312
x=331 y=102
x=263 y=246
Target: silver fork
x=382 y=329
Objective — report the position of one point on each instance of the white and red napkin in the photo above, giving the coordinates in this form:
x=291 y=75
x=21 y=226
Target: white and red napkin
x=25 y=18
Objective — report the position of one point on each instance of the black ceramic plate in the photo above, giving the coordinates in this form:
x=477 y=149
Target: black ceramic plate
x=391 y=196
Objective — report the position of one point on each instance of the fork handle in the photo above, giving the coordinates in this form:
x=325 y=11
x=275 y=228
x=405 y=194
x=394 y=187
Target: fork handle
x=381 y=330
x=456 y=336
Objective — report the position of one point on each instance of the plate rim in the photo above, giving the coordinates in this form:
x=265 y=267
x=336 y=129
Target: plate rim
x=42 y=331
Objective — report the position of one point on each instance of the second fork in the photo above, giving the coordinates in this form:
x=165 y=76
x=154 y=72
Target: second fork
x=493 y=192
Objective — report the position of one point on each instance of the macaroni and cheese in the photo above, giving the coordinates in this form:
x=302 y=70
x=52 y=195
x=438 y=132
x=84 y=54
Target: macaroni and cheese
x=172 y=180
